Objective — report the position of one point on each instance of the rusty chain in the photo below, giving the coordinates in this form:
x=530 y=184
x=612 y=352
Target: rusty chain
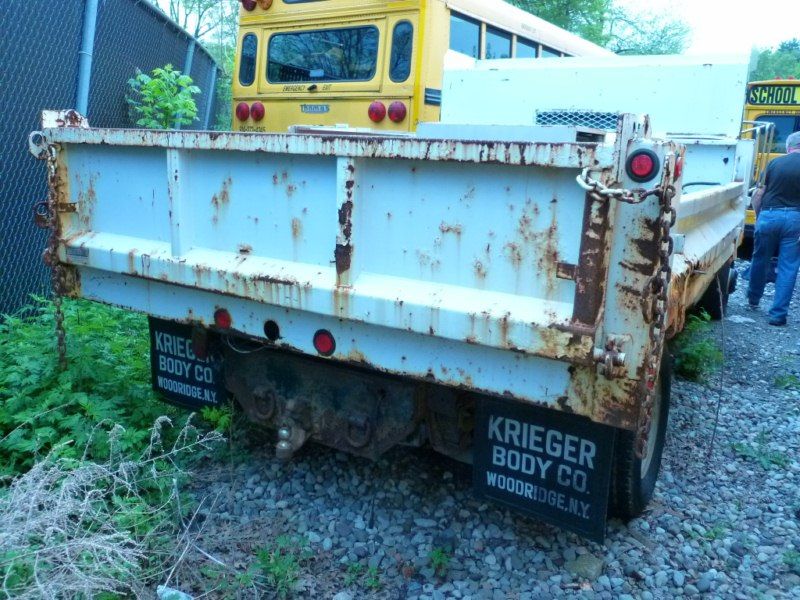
x=655 y=313
x=51 y=252
x=595 y=187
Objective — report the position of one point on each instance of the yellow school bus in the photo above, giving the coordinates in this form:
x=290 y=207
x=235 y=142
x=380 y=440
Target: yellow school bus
x=776 y=104
x=372 y=63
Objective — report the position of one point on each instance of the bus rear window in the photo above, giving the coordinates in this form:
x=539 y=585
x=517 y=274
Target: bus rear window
x=347 y=54
x=550 y=52
x=247 y=66
x=400 y=64
x=498 y=43
x=785 y=125
x=526 y=49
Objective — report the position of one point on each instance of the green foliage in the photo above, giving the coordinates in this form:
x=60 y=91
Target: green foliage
x=220 y=418
x=791 y=558
x=784 y=61
x=281 y=562
x=788 y=381
x=163 y=99
x=696 y=352
x=372 y=580
x=761 y=453
x=353 y=574
x=620 y=29
x=44 y=411
x=440 y=561
x=369 y=578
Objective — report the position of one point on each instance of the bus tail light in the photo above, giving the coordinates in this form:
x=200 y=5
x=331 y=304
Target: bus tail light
x=397 y=112
x=249 y=5
x=377 y=112
x=257 y=111
x=642 y=165
x=265 y=4
x=242 y=111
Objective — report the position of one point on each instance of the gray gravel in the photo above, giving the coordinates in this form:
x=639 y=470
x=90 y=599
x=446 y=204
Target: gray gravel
x=721 y=525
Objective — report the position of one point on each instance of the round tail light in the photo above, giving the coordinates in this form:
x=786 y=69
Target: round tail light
x=223 y=319
x=249 y=5
x=324 y=343
x=642 y=165
x=242 y=111
x=377 y=112
x=397 y=112
x=257 y=111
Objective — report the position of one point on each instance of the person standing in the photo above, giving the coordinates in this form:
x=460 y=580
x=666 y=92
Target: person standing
x=778 y=231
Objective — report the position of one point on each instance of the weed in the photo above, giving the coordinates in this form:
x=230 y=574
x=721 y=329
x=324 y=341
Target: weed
x=353 y=574
x=220 y=418
x=791 y=558
x=717 y=531
x=440 y=561
x=281 y=563
x=761 y=453
x=787 y=382
x=696 y=352
x=163 y=99
x=372 y=580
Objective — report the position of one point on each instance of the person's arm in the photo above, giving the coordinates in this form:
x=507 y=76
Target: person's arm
x=757 y=198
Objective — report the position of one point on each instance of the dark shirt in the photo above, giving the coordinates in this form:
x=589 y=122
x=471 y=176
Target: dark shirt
x=783 y=182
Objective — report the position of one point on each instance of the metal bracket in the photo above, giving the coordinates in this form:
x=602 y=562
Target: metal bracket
x=610 y=358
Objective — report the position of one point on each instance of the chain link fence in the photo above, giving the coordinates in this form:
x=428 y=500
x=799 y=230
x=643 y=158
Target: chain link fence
x=39 y=69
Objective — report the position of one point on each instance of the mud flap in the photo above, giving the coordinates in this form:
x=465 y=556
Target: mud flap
x=180 y=376
x=553 y=466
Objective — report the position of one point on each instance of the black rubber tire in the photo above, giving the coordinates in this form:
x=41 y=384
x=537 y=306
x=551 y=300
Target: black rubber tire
x=632 y=490
x=711 y=302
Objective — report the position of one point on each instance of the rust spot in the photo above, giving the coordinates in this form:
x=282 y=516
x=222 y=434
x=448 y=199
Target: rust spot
x=221 y=199
x=297 y=228
x=345 y=215
x=245 y=248
x=290 y=190
x=132 y=261
x=343 y=256
x=447 y=228
x=480 y=270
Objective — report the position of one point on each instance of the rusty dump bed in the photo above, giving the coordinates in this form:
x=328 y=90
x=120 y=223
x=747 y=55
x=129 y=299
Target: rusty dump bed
x=481 y=264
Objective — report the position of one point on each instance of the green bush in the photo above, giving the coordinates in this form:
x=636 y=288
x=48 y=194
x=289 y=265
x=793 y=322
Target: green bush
x=696 y=353
x=163 y=99
x=107 y=382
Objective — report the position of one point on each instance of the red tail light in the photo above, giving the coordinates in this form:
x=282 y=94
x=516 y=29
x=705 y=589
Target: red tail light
x=377 y=112
x=249 y=5
x=223 y=319
x=257 y=111
x=643 y=165
x=242 y=111
x=324 y=343
x=397 y=112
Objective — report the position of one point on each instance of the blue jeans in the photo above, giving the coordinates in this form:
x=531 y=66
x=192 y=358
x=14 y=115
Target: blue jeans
x=776 y=231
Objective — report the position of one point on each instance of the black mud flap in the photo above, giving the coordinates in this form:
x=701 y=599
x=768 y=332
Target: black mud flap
x=553 y=466
x=181 y=377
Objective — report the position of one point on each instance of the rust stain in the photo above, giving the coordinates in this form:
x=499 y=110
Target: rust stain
x=343 y=256
x=245 y=249
x=220 y=200
x=297 y=228
x=447 y=228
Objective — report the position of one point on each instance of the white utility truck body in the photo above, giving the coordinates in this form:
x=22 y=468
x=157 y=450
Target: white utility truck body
x=499 y=299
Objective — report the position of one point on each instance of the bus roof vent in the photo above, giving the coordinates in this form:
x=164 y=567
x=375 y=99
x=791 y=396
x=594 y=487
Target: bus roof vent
x=578 y=118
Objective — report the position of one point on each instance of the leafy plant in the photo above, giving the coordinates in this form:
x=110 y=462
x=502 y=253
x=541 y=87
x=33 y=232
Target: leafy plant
x=372 y=580
x=761 y=453
x=353 y=574
x=220 y=418
x=696 y=352
x=163 y=99
x=787 y=381
x=440 y=561
x=281 y=562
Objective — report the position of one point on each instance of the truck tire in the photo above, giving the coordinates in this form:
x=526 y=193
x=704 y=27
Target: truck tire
x=633 y=480
x=715 y=305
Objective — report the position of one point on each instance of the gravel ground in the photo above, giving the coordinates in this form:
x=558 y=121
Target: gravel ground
x=725 y=521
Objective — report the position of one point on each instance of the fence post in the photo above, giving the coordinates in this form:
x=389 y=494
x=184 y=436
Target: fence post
x=187 y=66
x=86 y=53
x=212 y=96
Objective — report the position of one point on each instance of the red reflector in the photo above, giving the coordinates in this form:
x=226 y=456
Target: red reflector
x=222 y=319
x=377 y=112
x=242 y=111
x=642 y=165
x=324 y=342
x=397 y=112
x=257 y=111
x=678 y=168
x=249 y=4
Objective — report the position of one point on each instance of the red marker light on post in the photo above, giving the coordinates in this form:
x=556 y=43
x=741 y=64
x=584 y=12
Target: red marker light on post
x=642 y=165
x=324 y=343
x=223 y=319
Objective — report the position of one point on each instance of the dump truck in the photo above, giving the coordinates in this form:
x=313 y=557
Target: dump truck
x=500 y=294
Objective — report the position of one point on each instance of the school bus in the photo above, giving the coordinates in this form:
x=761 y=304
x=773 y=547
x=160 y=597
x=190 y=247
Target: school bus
x=776 y=105
x=372 y=63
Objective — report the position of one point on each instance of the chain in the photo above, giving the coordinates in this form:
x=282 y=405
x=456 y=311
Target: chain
x=655 y=313
x=597 y=189
x=51 y=256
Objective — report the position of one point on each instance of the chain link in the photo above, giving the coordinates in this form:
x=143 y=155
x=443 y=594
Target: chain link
x=598 y=189
x=655 y=313
x=51 y=256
